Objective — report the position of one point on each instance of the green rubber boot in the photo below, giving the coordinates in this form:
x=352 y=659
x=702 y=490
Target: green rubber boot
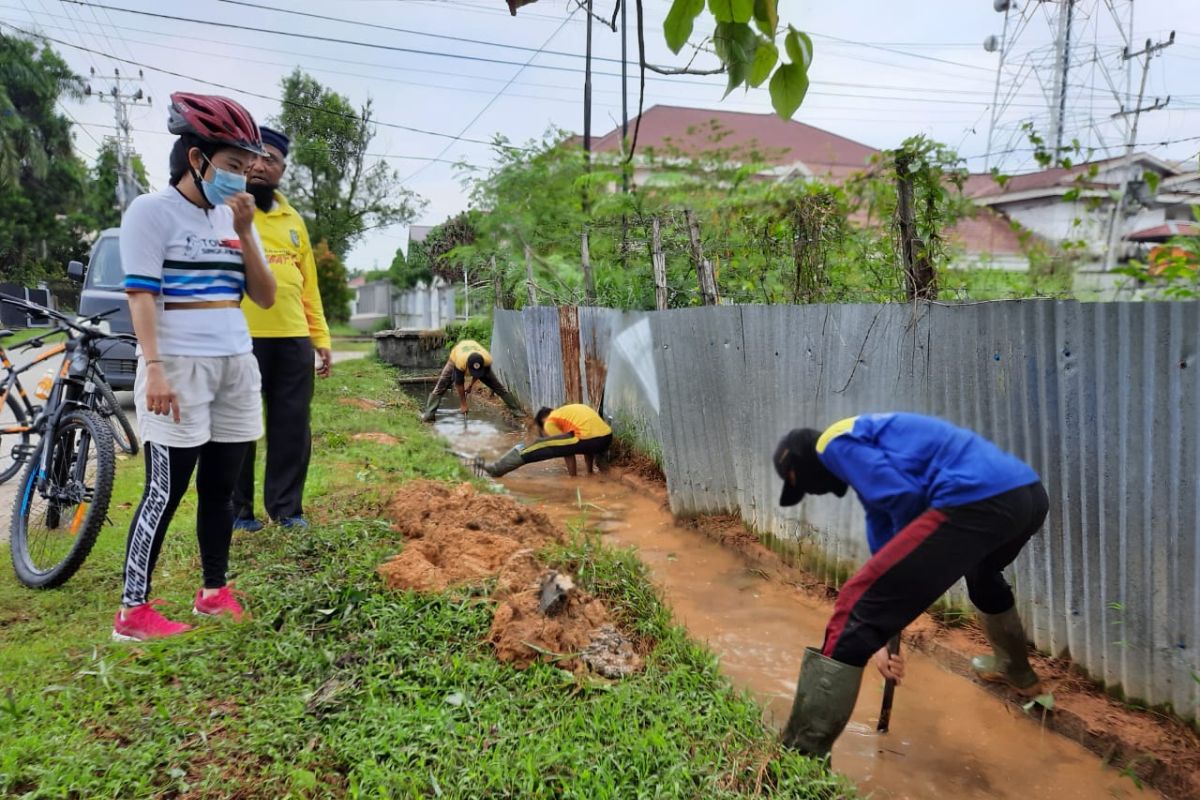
x=505 y=464
x=431 y=407
x=1009 y=662
x=825 y=698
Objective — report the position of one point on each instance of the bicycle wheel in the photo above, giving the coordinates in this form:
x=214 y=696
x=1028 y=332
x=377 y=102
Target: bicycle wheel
x=110 y=408
x=10 y=458
x=62 y=501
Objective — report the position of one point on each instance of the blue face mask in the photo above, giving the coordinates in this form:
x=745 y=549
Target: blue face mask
x=224 y=184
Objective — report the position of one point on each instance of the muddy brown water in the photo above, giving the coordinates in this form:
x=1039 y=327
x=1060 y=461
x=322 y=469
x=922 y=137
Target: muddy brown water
x=949 y=738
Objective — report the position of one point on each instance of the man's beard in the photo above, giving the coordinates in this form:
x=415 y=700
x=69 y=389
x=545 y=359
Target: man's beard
x=263 y=194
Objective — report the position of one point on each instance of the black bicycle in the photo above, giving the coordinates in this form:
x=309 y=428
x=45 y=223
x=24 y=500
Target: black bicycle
x=63 y=496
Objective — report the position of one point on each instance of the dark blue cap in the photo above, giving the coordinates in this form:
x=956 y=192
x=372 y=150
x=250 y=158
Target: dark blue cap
x=275 y=139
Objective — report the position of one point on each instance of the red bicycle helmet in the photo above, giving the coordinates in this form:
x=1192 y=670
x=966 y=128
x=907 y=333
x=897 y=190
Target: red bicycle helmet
x=214 y=119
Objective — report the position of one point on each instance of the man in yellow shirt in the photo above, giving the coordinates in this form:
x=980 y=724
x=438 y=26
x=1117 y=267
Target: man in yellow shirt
x=468 y=356
x=285 y=338
x=566 y=431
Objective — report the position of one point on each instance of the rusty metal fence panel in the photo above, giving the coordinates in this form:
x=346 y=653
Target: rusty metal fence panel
x=1102 y=399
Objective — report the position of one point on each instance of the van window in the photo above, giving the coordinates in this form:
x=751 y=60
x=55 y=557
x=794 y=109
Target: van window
x=104 y=270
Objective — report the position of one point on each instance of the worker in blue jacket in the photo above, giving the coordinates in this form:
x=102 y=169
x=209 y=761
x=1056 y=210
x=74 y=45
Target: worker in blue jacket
x=942 y=503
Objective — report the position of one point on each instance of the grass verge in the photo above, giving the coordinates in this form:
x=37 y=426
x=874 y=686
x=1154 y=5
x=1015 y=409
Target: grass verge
x=337 y=688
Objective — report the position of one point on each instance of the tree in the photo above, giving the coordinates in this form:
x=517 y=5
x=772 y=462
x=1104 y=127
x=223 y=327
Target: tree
x=330 y=179
x=41 y=179
x=333 y=283
x=406 y=272
x=101 y=197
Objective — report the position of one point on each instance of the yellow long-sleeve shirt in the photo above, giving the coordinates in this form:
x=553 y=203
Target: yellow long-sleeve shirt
x=578 y=419
x=297 y=311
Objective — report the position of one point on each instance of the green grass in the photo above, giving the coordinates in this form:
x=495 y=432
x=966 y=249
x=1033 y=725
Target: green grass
x=337 y=687
x=25 y=334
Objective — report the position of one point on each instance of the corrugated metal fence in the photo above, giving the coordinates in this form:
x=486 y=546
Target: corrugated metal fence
x=1102 y=399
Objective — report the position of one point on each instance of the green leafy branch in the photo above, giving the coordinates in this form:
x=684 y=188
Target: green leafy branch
x=744 y=41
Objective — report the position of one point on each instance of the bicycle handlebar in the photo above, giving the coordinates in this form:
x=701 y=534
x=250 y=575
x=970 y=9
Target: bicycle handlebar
x=65 y=324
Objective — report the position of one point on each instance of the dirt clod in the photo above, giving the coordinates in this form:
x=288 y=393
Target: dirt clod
x=611 y=653
x=458 y=536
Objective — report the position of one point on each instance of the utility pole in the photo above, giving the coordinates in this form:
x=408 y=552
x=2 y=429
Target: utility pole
x=1062 y=66
x=127 y=183
x=1116 y=222
x=589 y=286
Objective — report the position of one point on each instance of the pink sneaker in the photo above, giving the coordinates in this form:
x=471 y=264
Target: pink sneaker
x=143 y=622
x=223 y=602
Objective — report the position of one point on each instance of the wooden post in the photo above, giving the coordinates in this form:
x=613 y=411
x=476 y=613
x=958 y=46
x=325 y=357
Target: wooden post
x=497 y=285
x=530 y=287
x=585 y=258
x=659 y=260
x=919 y=279
x=704 y=268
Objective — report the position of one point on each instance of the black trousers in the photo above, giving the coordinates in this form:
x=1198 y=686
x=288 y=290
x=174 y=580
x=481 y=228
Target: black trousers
x=286 y=365
x=168 y=473
x=450 y=376
x=561 y=446
x=976 y=541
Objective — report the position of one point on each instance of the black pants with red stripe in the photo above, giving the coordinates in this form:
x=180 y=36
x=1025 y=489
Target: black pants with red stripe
x=976 y=541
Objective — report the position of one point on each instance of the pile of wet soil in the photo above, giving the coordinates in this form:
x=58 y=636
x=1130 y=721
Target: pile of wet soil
x=459 y=536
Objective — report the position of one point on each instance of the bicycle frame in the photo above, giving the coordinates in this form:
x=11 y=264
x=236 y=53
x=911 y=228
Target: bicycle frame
x=12 y=379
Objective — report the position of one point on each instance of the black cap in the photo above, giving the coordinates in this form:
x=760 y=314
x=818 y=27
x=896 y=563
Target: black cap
x=475 y=365
x=796 y=454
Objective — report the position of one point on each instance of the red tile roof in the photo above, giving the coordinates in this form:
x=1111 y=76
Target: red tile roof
x=986 y=231
x=1160 y=233
x=695 y=131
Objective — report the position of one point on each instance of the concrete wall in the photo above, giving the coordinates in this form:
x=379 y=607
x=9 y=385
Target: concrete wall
x=1102 y=399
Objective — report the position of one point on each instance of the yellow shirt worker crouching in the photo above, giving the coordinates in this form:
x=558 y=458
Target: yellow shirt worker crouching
x=566 y=431
x=468 y=356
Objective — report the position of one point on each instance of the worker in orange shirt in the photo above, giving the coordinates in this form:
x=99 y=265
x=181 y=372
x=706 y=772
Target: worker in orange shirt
x=566 y=432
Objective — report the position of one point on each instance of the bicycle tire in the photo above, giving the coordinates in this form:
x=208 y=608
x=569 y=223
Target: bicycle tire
x=123 y=433
x=9 y=440
x=80 y=431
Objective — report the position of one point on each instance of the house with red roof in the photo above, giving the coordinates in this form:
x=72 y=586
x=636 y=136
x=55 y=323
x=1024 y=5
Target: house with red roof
x=1054 y=206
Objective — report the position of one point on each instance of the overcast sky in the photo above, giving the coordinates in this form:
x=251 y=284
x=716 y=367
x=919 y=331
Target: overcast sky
x=883 y=71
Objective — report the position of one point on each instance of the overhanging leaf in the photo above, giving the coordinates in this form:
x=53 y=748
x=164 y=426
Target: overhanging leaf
x=677 y=28
x=765 y=59
x=766 y=16
x=789 y=84
x=737 y=71
x=732 y=10
x=799 y=48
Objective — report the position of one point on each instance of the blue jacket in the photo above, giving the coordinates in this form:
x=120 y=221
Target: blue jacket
x=904 y=464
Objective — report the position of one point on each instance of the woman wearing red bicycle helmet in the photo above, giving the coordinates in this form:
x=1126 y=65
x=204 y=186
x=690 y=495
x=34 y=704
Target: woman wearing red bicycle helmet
x=189 y=253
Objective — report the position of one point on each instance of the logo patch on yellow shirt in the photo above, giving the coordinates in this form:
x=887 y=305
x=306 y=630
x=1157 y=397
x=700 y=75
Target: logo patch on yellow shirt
x=295 y=237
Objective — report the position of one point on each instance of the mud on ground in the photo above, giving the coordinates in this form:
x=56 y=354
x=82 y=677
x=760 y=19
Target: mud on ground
x=459 y=536
x=1161 y=751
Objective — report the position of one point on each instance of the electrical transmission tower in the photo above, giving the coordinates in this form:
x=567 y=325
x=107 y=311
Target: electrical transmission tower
x=1066 y=56
x=122 y=100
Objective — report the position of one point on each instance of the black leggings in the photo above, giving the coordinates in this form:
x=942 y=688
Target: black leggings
x=168 y=472
x=550 y=447
x=976 y=541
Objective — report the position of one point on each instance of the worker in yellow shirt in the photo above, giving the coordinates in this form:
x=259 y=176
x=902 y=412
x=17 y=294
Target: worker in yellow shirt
x=285 y=339
x=468 y=357
x=566 y=432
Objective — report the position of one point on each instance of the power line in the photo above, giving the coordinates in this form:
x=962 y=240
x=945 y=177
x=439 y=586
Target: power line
x=490 y=102
x=266 y=96
x=429 y=34
x=671 y=80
